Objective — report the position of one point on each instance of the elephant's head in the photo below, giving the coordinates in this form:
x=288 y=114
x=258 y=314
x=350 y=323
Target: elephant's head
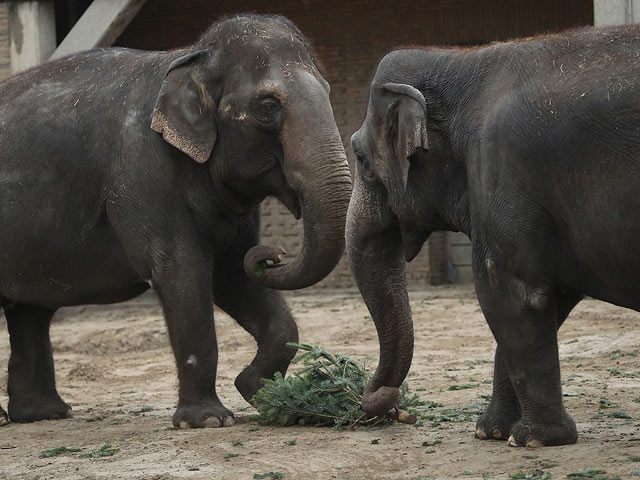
x=398 y=199
x=248 y=99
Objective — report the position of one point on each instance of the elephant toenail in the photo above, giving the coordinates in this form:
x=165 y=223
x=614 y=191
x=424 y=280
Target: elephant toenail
x=68 y=414
x=212 y=422
x=481 y=434
x=535 y=443
x=512 y=442
x=496 y=433
x=229 y=422
x=184 y=424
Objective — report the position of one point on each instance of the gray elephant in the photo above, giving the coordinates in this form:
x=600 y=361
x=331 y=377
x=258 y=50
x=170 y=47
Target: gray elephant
x=123 y=168
x=531 y=148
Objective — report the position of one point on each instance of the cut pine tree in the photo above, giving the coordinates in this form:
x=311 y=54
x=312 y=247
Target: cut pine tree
x=326 y=391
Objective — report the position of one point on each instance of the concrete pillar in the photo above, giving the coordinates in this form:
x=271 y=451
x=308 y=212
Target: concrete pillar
x=615 y=12
x=32 y=33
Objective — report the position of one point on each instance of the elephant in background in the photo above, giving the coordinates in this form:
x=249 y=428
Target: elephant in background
x=531 y=148
x=121 y=169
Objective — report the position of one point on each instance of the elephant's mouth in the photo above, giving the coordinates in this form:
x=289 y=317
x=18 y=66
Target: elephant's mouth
x=289 y=199
x=412 y=240
x=264 y=257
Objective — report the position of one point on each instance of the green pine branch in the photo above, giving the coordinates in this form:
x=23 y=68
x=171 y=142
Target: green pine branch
x=326 y=391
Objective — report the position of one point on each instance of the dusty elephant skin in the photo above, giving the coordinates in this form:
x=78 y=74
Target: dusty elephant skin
x=530 y=148
x=122 y=168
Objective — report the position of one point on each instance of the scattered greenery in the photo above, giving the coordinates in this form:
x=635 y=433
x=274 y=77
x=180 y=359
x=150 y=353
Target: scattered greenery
x=237 y=443
x=326 y=391
x=535 y=475
x=624 y=415
x=105 y=450
x=431 y=444
x=593 y=473
x=462 y=387
x=58 y=451
x=141 y=410
x=268 y=475
x=437 y=413
x=606 y=403
x=291 y=443
x=227 y=456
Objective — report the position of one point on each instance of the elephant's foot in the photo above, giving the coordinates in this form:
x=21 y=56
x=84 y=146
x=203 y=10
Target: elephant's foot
x=249 y=382
x=210 y=414
x=34 y=407
x=529 y=434
x=498 y=420
x=4 y=418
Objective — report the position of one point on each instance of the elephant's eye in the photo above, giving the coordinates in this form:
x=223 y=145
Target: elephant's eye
x=364 y=166
x=267 y=110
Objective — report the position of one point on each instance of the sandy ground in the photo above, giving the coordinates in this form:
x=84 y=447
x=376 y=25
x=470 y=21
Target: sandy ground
x=114 y=367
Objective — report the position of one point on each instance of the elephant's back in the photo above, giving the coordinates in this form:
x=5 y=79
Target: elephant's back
x=78 y=107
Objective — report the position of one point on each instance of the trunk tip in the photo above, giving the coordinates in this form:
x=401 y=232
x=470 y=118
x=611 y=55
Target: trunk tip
x=255 y=260
x=378 y=402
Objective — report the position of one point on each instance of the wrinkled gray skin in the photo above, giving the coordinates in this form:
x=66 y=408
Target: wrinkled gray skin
x=532 y=149
x=122 y=168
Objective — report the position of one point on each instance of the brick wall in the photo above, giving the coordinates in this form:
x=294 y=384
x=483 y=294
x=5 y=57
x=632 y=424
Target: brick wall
x=5 y=60
x=350 y=37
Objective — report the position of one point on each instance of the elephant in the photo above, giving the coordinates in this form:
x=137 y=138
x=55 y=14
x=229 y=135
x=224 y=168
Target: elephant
x=122 y=170
x=532 y=149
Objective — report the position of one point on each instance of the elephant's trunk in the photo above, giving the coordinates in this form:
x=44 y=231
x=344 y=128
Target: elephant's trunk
x=316 y=168
x=374 y=248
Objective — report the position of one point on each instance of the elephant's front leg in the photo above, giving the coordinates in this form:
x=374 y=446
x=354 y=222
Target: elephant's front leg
x=185 y=287
x=523 y=318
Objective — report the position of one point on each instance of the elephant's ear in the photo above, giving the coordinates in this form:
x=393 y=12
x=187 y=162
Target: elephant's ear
x=407 y=125
x=185 y=112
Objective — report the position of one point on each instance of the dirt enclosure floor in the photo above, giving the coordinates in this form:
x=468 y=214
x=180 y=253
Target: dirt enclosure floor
x=115 y=368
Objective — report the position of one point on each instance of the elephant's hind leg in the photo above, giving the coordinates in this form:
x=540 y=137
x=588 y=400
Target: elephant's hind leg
x=265 y=315
x=32 y=386
x=4 y=418
x=260 y=311
x=504 y=410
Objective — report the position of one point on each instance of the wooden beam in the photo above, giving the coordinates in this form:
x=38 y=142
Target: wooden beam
x=100 y=26
x=32 y=33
